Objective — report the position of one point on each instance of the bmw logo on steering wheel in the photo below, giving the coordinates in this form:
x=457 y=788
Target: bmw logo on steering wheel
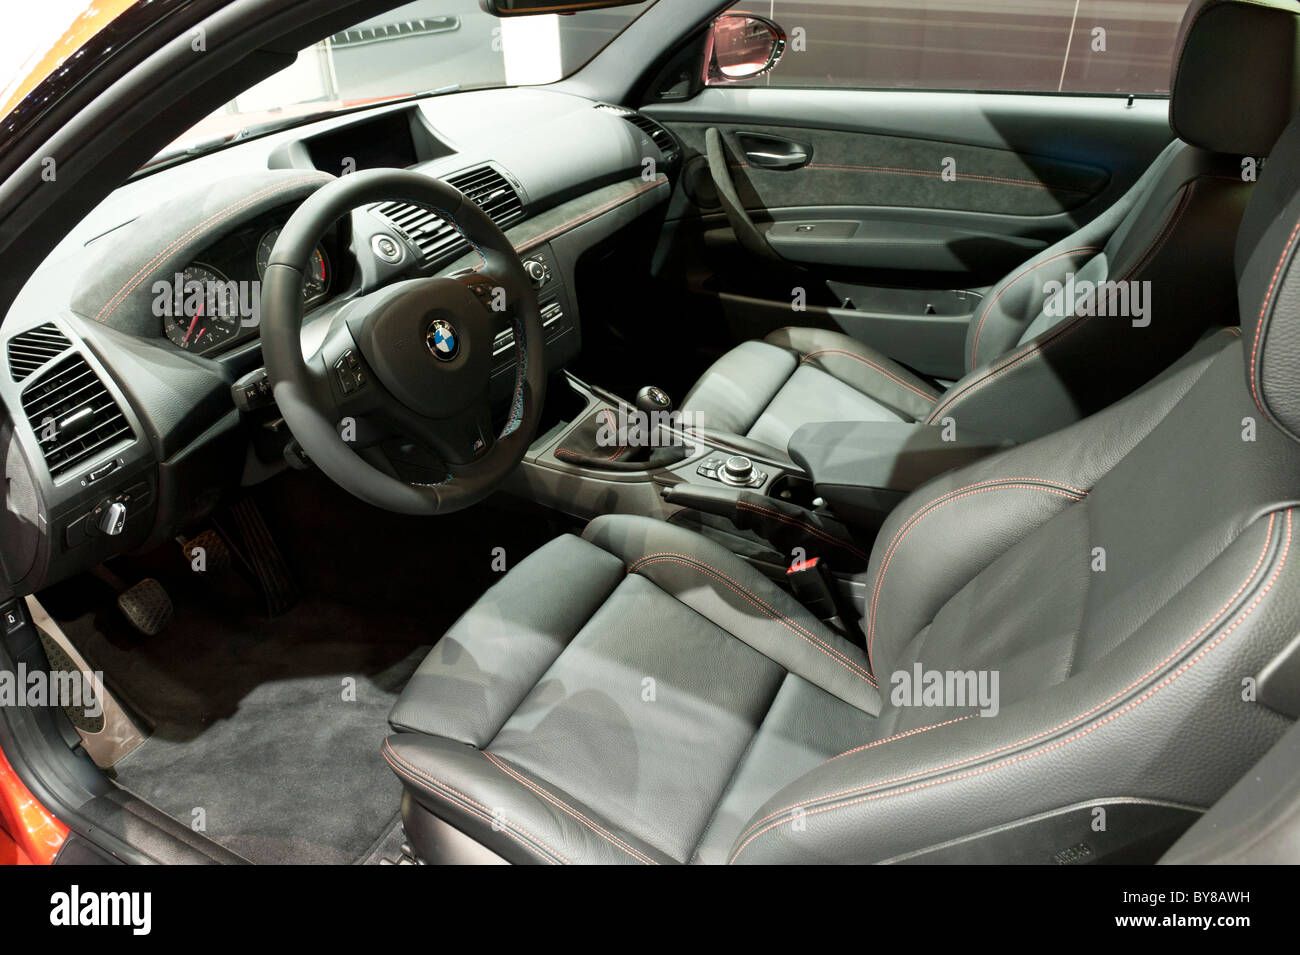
x=441 y=339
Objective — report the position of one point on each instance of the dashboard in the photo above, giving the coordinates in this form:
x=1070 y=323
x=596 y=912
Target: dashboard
x=134 y=376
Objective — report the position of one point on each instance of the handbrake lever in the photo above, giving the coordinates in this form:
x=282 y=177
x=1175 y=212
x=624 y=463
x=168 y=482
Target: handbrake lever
x=784 y=525
x=790 y=529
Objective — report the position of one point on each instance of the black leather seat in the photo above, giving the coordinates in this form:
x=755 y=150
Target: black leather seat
x=1030 y=372
x=642 y=695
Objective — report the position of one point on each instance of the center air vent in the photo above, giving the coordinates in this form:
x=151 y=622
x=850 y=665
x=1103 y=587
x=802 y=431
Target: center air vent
x=438 y=239
x=73 y=415
x=32 y=349
x=665 y=140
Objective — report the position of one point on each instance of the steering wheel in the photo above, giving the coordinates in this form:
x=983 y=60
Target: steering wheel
x=411 y=361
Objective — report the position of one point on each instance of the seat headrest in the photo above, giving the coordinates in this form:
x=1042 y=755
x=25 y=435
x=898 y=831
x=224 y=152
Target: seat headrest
x=1235 y=83
x=1268 y=284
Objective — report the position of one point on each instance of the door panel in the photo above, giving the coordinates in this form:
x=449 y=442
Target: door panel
x=862 y=189
x=871 y=169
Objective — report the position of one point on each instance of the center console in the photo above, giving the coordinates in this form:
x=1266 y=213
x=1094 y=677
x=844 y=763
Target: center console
x=559 y=324
x=826 y=500
x=594 y=482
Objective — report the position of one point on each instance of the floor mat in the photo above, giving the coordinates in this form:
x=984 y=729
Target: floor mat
x=267 y=731
x=291 y=776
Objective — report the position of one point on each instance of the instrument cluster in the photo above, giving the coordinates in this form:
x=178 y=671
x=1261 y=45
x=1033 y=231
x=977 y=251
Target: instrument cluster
x=215 y=302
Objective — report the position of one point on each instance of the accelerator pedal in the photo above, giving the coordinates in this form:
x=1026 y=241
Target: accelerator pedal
x=253 y=542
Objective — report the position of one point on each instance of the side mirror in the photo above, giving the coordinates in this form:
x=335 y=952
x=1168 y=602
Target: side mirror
x=741 y=46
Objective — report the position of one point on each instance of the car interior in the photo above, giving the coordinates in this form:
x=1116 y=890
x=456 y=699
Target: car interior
x=666 y=462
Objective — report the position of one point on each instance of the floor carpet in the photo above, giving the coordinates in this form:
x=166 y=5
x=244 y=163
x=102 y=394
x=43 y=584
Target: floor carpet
x=267 y=730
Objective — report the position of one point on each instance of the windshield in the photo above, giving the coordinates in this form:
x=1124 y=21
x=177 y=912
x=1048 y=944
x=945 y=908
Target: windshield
x=425 y=46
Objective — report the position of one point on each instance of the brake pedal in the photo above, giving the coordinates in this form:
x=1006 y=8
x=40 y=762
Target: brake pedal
x=146 y=607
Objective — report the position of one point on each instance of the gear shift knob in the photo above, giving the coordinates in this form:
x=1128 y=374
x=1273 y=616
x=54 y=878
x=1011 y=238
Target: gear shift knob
x=651 y=400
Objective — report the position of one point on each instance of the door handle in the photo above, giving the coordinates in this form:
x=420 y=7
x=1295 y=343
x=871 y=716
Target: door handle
x=772 y=152
x=771 y=160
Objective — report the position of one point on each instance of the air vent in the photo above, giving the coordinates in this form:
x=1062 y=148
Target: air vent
x=665 y=140
x=34 y=348
x=438 y=239
x=73 y=415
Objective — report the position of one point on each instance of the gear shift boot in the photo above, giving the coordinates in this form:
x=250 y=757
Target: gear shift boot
x=625 y=439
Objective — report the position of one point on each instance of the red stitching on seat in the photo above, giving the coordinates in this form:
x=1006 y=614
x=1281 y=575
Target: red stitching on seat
x=806 y=635
x=418 y=775
x=565 y=807
x=134 y=281
x=812 y=529
x=1005 y=484
x=870 y=364
x=1070 y=722
x=1171 y=221
x=1011 y=361
x=1259 y=326
x=890 y=739
x=979 y=327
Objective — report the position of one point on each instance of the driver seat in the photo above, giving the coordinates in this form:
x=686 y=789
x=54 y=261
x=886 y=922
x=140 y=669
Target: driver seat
x=1112 y=598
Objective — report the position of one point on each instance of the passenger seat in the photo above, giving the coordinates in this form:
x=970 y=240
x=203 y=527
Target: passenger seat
x=1234 y=89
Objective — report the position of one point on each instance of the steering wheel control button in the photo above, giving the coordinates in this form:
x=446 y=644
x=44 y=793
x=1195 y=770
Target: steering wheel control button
x=481 y=288
x=348 y=371
x=441 y=339
x=387 y=248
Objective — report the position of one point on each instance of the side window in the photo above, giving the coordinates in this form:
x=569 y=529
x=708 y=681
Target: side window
x=1071 y=46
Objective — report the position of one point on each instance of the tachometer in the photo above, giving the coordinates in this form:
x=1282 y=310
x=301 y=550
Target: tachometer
x=317 y=284
x=207 y=312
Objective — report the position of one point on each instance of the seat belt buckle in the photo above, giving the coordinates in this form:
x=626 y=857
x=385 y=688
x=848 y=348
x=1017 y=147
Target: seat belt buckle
x=814 y=586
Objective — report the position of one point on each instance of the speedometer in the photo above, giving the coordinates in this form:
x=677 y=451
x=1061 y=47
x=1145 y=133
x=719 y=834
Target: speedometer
x=317 y=284
x=209 y=310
